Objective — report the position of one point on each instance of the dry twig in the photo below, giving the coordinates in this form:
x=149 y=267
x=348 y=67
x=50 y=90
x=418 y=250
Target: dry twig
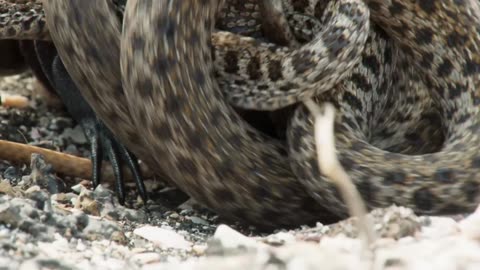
x=333 y=170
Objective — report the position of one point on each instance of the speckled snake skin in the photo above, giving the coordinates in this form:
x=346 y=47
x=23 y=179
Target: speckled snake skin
x=219 y=160
x=431 y=181
x=438 y=54
x=418 y=69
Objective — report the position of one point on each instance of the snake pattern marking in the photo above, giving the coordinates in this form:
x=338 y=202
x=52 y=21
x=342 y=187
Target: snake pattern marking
x=445 y=62
x=206 y=161
x=426 y=180
x=442 y=174
x=298 y=73
x=440 y=182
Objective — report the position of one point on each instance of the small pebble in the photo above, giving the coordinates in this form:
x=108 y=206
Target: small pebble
x=197 y=220
x=229 y=238
x=146 y=258
x=199 y=250
x=6 y=188
x=163 y=238
x=174 y=215
x=76 y=135
x=280 y=239
x=12 y=174
x=77 y=188
x=60 y=123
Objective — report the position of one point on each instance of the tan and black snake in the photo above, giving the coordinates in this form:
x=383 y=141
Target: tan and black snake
x=438 y=56
x=435 y=78
x=189 y=130
x=260 y=158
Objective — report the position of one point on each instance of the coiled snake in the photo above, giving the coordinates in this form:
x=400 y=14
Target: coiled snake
x=216 y=158
x=215 y=179
x=442 y=61
x=438 y=46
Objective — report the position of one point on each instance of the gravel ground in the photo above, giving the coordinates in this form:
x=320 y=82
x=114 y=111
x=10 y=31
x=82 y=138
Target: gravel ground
x=50 y=221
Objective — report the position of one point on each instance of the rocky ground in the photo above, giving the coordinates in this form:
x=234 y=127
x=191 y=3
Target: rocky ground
x=49 y=221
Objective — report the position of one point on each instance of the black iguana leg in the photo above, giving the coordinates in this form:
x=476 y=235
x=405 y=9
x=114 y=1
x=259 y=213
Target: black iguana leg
x=102 y=142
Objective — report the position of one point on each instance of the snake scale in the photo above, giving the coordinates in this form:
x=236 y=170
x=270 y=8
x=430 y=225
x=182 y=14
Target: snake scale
x=430 y=48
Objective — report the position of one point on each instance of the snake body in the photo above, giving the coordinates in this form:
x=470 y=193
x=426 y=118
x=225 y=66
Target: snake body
x=255 y=78
x=22 y=20
x=444 y=181
x=219 y=160
x=203 y=160
x=442 y=174
x=442 y=61
x=258 y=75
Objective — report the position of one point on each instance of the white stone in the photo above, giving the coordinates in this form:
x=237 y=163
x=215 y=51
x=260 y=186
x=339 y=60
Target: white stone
x=163 y=238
